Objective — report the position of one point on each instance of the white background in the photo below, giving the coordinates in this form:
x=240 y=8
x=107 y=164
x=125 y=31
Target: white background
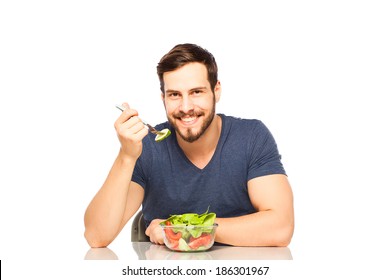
x=315 y=72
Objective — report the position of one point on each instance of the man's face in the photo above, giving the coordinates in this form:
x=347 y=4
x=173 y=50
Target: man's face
x=189 y=100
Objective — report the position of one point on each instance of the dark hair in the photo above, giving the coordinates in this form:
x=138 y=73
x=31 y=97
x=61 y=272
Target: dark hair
x=183 y=54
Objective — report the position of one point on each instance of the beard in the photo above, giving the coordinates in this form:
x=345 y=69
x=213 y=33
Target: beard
x=189 y=135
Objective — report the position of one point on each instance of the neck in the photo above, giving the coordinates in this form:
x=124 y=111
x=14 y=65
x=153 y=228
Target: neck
x=205 y=146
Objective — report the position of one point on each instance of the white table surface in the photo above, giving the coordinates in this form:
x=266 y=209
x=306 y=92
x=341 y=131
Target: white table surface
x=149 y=251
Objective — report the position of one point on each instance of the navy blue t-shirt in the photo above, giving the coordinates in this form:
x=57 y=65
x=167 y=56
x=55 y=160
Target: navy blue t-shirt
x=174 y=185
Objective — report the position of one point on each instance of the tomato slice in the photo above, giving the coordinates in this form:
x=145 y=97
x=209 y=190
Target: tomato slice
x=202 y=240
x=170 y=234
x=174 y=244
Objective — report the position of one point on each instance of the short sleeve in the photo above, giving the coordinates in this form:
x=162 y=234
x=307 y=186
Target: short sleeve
x=144 y=163
x=264 y=157
x=138 y=174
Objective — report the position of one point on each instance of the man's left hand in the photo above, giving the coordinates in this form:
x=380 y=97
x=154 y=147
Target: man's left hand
x=154 y=231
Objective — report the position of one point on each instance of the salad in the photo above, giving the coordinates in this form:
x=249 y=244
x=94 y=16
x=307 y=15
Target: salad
x=189 y=232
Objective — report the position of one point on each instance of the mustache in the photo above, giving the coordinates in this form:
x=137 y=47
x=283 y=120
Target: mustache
x=191 y=113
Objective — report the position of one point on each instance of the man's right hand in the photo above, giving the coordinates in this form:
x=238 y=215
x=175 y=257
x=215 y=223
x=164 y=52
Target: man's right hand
x=130 y=130
x=119 y=198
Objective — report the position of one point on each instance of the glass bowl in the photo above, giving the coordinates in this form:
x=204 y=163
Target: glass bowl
x=189 y=238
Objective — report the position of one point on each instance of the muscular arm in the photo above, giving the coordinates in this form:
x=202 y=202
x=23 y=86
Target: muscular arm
x=114 y=204
x=119 y=198
x=271 y=225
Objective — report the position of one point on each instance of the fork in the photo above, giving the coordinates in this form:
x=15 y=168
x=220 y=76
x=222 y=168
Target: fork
x=151 y=128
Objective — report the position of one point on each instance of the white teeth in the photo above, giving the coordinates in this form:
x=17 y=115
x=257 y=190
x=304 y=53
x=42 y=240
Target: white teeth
x=188 y=119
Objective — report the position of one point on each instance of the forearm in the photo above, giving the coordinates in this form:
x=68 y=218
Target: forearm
x=264 y=228
x=104 y=215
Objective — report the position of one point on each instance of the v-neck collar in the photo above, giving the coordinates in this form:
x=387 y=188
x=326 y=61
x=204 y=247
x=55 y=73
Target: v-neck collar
x=216 y=151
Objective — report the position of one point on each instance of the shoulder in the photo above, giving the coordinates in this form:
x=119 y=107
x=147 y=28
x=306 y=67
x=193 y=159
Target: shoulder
x=250 y=133
x=242 y=125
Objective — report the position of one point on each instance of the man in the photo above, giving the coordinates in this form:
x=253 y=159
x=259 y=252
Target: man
x=211 y=160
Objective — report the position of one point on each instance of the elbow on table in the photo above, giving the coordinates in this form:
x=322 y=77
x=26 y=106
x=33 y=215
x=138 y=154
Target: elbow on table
x=284 y=236
x=96 y=241
x=283 y=241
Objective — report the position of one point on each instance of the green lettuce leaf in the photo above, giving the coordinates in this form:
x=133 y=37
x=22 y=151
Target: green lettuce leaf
x=190 y=220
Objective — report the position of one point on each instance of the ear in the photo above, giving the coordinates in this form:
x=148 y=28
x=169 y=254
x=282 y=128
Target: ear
x=217 y=91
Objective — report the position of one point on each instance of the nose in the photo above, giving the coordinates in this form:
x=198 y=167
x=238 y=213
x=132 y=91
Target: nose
x=186 y=104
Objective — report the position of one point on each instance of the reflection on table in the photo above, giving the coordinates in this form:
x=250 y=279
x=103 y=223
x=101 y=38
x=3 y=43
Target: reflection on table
x=150 y=251
x=100 y=254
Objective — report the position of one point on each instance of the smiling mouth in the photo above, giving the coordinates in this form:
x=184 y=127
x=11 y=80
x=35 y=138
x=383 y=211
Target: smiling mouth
x=188 y=119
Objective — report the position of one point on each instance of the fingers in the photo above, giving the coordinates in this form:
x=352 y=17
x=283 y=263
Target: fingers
x=126 y=105
x=131 y=131
x=126 y=115
x=154 y=231
x=132 y=125
x=128 y=123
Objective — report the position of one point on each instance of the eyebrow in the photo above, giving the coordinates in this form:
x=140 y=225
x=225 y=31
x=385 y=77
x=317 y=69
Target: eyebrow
x=193 y=89
x=171 y=91
x=198 y=88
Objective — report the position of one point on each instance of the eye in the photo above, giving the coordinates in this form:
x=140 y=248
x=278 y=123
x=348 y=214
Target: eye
x=197 y=92
x=174 y=95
